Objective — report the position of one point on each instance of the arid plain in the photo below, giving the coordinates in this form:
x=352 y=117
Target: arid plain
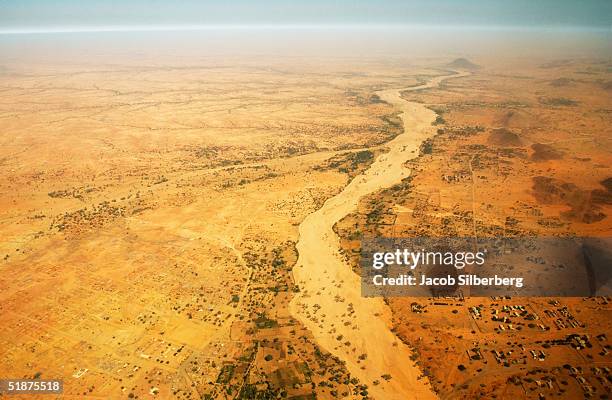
x=149 y=217
x=150 y=220
x=522 y=149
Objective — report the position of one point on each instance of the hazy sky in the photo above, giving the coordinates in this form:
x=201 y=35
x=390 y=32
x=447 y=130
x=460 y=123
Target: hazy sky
x=43 y=15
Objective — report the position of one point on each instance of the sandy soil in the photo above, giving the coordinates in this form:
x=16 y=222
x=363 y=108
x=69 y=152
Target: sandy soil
x=522 y=149
x=352 y=327
x=148 y=218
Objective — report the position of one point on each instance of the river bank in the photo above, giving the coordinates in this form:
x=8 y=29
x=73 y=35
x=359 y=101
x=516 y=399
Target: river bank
x=354 y=328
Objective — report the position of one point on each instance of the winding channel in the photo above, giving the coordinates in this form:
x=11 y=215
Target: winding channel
x=355 y=329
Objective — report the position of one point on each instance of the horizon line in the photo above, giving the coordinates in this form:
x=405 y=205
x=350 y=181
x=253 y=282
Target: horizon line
x=187 y=28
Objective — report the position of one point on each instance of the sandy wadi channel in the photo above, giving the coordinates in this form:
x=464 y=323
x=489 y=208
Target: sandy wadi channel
x=354 y=328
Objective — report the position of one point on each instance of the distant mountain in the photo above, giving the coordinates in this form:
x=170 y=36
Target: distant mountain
x=463 y=63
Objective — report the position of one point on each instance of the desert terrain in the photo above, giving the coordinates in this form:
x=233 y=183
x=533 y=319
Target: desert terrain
x=322 y=306
x=522 y=149
x=150 y=216
x=186 y=228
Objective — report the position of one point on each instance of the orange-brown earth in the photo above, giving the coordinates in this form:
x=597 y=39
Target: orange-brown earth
x=523 y=149
x=149 y=217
